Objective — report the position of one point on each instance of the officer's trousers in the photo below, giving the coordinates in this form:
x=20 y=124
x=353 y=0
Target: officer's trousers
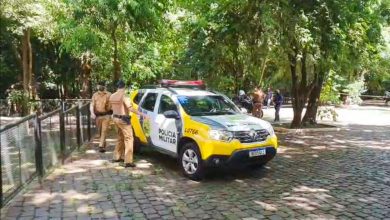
x=124 y=147
x=102 y=123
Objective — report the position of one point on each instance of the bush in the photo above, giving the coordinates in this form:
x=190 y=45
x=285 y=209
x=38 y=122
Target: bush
x=354 y=91
x=330 y=90
x=327 y=113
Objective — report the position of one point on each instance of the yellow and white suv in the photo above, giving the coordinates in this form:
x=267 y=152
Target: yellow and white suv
x=201 y=128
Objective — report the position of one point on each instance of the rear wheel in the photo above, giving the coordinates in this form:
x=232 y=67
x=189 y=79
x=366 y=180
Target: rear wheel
x=258 y=111
x=136 y=144
x=191 y=161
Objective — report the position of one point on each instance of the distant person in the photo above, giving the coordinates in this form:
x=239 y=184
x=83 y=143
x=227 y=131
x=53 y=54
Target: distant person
x=245 y=101
x=269 y=97
x=258 y=99
x=101 y=112
x=387 y=97
x=278 y=101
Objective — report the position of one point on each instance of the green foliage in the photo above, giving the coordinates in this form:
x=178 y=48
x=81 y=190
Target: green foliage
x=354 y=90
x=29 y=14
x=377 y=78
x=18 y=97
x=330 y=93
x=230 y=44
x=327 y=113
x=9 y=66
x=114 y=30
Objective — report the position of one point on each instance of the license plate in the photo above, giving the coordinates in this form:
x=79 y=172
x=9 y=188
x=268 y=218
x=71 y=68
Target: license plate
x=257 y=152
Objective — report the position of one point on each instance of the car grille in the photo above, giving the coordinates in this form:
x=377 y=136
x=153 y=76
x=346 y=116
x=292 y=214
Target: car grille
x=251 y=136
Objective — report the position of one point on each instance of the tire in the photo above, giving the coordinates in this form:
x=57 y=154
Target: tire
x=256 y=166
x=136 y=144
x=191 y=161
x=261 y=113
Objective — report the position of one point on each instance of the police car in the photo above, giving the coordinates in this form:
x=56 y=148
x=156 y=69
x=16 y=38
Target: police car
x=199 y=127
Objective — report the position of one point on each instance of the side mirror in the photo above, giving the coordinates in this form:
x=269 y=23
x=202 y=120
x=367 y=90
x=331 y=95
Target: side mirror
x=171 y=114
x=243 y=110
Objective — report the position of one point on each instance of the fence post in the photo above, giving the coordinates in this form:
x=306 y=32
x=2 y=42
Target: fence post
x=89 y=123
x=1 y=178
x=62 y=135
x=78 y=129
x=38 y=147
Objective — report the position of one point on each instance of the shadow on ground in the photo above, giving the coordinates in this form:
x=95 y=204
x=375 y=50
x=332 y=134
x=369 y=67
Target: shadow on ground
x=328 y=175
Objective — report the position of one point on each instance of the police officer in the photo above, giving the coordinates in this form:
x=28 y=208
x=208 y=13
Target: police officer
x=101 y=110
x=121 y=107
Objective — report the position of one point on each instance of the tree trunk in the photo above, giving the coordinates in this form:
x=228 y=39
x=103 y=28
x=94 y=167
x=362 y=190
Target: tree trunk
x=299 y=90
x=117 y=66
x=296 y=99
x=31 y=80
x=312 y=105
x=25 y=62
x=299 y=101
x=86 y=66
x=28 y=82
x=263 y=68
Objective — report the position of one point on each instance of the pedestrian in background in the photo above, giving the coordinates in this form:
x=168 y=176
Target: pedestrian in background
x=121 y=107
x=269 y=97
x=101 y=111
x=278 y=101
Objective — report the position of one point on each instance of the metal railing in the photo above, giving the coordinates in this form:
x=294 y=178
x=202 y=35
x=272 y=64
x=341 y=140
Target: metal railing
x=36 y=143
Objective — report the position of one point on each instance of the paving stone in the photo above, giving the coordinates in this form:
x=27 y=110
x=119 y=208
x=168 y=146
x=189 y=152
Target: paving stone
x=275 y=217
x=312 y=177
x=149 y=211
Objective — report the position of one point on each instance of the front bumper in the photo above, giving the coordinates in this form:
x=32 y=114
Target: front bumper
x=240 y=158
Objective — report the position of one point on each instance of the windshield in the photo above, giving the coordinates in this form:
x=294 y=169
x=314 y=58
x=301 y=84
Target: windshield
x=207 y=105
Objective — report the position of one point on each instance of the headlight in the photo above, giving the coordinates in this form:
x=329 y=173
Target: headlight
x=221 y=135
x=270 y=130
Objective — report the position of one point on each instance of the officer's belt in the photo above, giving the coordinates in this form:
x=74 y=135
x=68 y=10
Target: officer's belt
x=103 y=113
x=121 y=116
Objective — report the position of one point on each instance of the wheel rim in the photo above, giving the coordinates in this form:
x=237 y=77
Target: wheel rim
x=190 y=161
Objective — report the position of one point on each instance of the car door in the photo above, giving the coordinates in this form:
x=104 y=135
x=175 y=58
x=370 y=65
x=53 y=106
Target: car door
x=136 y=97
x=168 y=129
x=148 y=106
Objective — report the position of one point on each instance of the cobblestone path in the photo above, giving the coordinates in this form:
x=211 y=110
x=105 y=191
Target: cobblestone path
x=332 y=175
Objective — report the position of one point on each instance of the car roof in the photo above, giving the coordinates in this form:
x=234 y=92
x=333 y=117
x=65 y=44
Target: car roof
x=182 y=91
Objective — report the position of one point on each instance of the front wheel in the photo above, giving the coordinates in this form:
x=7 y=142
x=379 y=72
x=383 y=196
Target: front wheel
x=191 y=161
x=256 y=166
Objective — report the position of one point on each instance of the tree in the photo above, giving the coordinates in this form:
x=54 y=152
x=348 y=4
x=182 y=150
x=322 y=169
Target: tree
x=231 y=43
x=24 y=18
x=320 y=36
x=109 y=29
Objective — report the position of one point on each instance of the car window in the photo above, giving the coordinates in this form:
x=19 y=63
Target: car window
x=138 y=97
x=207 y=105
x=149 y=102
x=166 y=104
